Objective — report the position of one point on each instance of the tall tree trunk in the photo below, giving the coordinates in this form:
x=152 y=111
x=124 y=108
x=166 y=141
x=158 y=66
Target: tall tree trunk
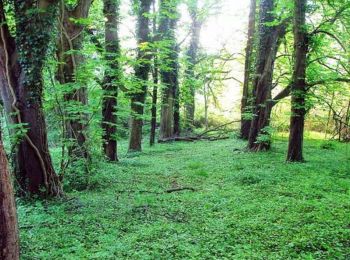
x=155 y=75
x=154 y=105
x=177 y=126
x=69 y=45
x=247 y=91
x=9 y=248
x=168 y=70
x=262 y=86
x=142 y=71
x=112 y=79
x=297 y=120
x=22 y=90
x=192 y=54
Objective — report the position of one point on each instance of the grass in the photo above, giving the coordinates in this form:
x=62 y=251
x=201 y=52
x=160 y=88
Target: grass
x=246 y=206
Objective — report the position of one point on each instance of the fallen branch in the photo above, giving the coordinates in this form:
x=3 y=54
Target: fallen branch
x=218 y=127
x=180 y=189
x=158 y=193
x=201 y=136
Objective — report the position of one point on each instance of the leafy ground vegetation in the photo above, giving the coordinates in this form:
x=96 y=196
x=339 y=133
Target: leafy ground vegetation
x=236 y=205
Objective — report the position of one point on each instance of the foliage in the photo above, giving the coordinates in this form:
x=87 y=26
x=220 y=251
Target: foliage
x=245 y=206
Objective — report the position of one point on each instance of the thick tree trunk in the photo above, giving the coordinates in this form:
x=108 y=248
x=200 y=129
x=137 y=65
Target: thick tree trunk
x=22 y=90
x=111 y=80
x=192 y=54
x=247 y=91
x=69 y=45
x=35 y=169
x=297 y=121
x=169 y=78
x=142 y=71
x=264 y=65
x=9 y=248
x=267 y=50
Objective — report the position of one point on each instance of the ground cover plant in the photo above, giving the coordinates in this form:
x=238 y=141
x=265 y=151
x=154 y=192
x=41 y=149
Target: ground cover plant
x=242 y=206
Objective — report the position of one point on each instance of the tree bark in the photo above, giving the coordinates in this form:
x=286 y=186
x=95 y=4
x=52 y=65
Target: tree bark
x=142 y=71
x=247 y=91
x=168 y=70
x=22 y=90
x=9 y=248
x=69 y=46
x=297 y=120
x=192 y=54
x=112 y=79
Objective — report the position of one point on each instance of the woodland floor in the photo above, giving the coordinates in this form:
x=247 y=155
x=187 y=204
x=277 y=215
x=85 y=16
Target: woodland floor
x=245 y=206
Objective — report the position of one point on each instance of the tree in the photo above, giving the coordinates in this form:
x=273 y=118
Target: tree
x=269 y=41
x=297 y=120
x=307 y=45
x=9 y=249
x=22 y=62
x=70 y=60
x=192 y=53
x=176 y=93
x=112 y=79
x=247 y=91
x=155 y=75
x=169 y=66
x=142 y=70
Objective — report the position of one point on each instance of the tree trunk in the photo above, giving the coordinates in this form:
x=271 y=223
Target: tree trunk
x=9 y=248
x=177 y=127
x=22 y=90
x=192 y=54
x=206 y=107
x=154 y=105
x=168 y=70
x=247 y=92
x=267 y=51
x=155 y=75
x=329 y=115
x=111 y=79
x=142 y=71
x=70 y=60
x=297 y=121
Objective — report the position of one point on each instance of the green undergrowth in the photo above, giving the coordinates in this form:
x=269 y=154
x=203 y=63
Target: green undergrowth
x=236 y=205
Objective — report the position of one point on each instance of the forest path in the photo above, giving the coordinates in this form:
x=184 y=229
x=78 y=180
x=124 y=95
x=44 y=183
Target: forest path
x=245 y=206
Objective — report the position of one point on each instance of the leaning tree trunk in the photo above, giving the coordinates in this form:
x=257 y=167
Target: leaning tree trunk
x=142 y=71
x=247 y=92
x=112 y=79
x=168 y=70
x=22 y=91
x=192 y=54
x=297 y=120
x=69 y=46
x=9 y=249
x=264 y=66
